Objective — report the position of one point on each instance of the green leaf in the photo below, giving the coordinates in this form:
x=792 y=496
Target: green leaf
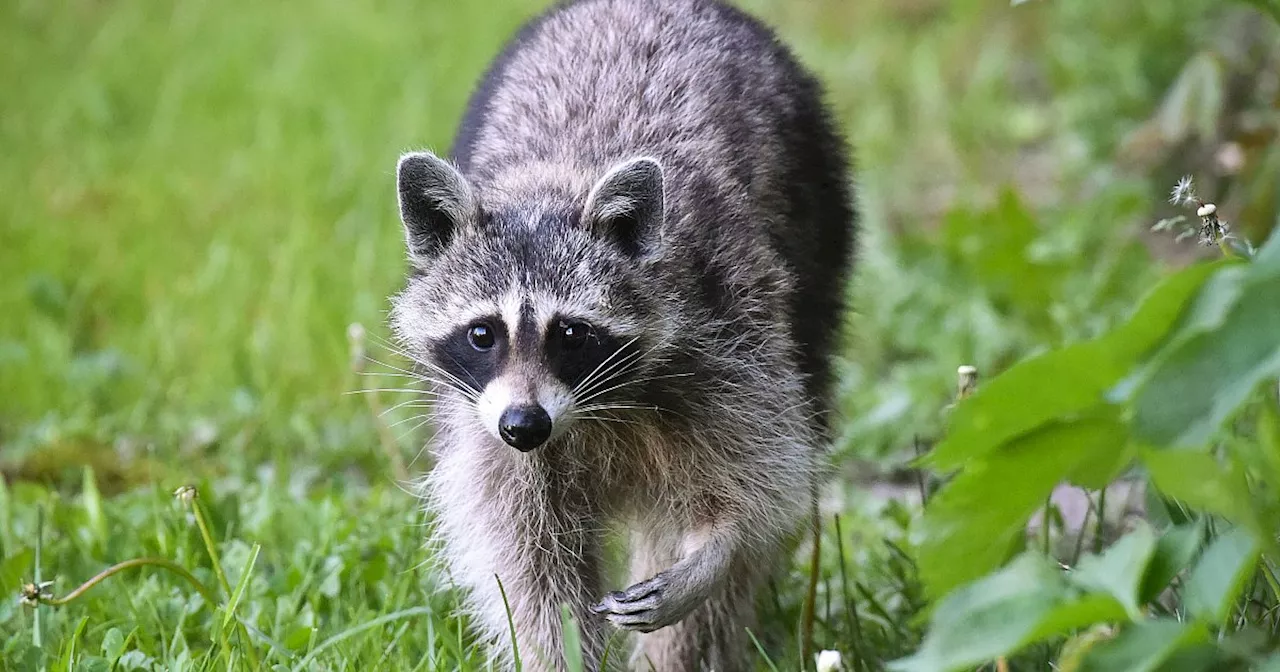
x=1144 y=646
x=1028 y=601
x=92 y=500
x=113 y=644
x=1119 y=571
x=973 y=519
x=1217 y=359
x=1203 y=482
x=572 y=641
x=1063 y=381
x=1218 y=578
x=1174 y=552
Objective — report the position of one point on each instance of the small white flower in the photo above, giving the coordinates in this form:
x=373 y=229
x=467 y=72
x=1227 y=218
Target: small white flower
x=1206 y=210
x=829 y=661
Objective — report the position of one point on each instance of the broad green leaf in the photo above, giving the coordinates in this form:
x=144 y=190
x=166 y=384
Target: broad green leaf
x=973 y=519
x=1081 y=612
x=1144 y=647
x=991 y=617
x=1119 y=571
x=1203 y=483
x=1063 y=381
x=1220 y=575
x=1174 y=552
x=1217 y=359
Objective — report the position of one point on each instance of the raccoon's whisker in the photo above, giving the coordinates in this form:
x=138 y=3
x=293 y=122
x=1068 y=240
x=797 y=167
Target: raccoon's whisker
x=591 y=376
x=412 y=402
x=391 y=366
x=420 y=416
x=459 y=385
x=471 y=392
x=460 y=381
x=623 y=407
x=614 y=369
x=605 y=418
x=412 y=429
x=607 y=370
x=379 y=374
x=405 y=390
x=596 y=394
x=619 y=369
x=447 y=379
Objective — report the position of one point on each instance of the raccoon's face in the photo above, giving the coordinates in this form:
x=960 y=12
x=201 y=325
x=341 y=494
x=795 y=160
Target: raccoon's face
x=533 y=312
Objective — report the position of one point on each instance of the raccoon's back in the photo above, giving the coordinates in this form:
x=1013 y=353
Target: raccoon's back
x=592 y=82
x=756 y=175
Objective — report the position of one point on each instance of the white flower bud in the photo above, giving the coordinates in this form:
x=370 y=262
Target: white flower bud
x=829 y=661
x=1206 y=210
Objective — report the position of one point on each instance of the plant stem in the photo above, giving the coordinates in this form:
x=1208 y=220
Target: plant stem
x=811 y=595
x=128 y=564
x=36 y=638
x=1102 y=519
x=222 y=577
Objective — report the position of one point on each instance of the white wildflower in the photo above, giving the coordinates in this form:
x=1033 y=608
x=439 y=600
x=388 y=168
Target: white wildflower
x=829 y=661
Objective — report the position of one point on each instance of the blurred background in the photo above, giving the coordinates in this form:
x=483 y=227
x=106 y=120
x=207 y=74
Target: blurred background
x=198 y=204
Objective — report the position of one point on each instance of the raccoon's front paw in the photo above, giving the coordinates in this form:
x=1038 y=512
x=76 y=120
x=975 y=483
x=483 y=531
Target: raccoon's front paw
x=648 y=605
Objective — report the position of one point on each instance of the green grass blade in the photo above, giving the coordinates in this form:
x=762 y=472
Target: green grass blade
x=230 y=612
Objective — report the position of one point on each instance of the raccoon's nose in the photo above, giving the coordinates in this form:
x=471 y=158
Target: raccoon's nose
x=524 y=427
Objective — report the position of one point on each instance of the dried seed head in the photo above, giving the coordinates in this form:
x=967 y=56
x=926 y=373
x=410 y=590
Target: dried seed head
x=30 y=594
x=186 y=494
x=1206 y=210
x=1183 y=192
x=967 y=380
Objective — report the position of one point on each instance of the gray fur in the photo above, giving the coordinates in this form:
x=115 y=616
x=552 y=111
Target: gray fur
x=664 y=171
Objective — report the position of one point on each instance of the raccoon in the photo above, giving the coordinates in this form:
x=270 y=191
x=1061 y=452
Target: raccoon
x=626 y=284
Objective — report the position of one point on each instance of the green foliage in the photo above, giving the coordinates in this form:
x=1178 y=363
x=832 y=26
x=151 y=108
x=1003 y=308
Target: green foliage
x=1160 y=387
x=1227 y=347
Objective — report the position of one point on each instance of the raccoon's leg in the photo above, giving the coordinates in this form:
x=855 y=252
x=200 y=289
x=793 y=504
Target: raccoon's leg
x=713 y=635
x=501 y=519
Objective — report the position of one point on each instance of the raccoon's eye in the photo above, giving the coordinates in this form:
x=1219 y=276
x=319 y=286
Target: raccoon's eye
x=573 y=334
x=480 y=337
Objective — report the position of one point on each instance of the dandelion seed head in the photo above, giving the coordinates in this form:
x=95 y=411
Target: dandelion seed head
x=1183 y=192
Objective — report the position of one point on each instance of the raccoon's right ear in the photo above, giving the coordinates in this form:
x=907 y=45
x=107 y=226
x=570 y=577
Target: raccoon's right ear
x=627 y=206
x=435 y=202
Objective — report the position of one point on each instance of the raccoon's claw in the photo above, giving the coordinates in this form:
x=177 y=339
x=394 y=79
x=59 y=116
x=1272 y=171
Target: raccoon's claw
x=644 y=607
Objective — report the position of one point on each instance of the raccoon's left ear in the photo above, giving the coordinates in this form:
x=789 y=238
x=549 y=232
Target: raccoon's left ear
x=435 y=203
x=626 y=206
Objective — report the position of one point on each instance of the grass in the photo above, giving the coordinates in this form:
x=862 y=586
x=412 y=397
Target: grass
x=198 y=203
